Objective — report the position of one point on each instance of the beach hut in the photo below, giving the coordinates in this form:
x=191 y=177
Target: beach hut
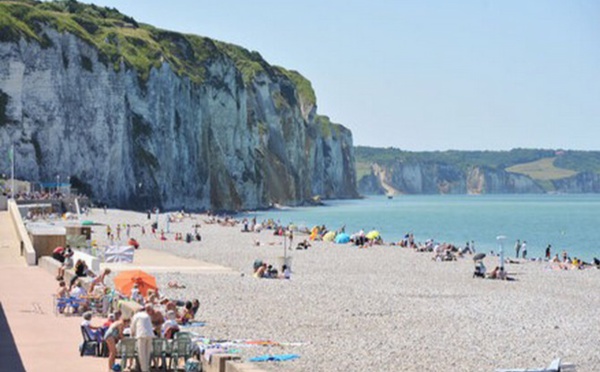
x=342 y=238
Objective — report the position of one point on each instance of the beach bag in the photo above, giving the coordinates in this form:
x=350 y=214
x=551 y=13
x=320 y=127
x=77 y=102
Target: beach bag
x=192 y=365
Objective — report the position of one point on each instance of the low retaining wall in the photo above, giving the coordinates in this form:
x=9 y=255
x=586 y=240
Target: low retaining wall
x=26 y=247
x=228 y=363
x=236 y=366
x=51 y=265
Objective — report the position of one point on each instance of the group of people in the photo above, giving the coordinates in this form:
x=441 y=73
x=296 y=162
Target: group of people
x=156 y=317
x=498 y=273
x=263 y=270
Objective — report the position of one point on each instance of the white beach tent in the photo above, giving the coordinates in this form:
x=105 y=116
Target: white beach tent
x=119 y=254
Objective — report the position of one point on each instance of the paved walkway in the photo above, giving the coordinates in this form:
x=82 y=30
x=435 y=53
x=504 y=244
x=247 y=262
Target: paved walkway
x=32 y=338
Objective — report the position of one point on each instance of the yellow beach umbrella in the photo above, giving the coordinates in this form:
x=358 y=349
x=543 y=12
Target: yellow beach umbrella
x=329 y=236
x=374 y=234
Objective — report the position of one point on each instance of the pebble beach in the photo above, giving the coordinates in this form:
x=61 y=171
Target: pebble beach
x=382 y=308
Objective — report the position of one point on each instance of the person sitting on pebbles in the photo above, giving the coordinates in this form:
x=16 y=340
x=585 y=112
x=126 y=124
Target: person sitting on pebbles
x=303 y=245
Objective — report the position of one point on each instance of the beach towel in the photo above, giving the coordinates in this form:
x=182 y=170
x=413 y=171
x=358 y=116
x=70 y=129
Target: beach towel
x=193 y=324
x=274 y=358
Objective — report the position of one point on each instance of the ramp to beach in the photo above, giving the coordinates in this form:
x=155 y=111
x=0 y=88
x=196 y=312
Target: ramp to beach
x=157 y=261
x=33 y=337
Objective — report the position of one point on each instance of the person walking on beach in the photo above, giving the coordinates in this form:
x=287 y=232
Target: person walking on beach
x=517 y=247
x=524 y=249
x=142 y=330
x=548 y=251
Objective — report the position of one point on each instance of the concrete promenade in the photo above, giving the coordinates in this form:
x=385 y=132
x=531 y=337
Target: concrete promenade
x=32 y=337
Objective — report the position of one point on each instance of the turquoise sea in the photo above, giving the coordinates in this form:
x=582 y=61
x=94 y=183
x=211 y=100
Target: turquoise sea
x=568 y=222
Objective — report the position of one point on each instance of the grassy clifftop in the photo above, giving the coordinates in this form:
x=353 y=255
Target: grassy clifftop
x=120 y=40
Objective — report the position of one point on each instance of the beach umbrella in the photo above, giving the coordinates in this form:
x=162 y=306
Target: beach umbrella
x=479 y=256
x=126 y=279
x=329 y=237
x=342 y=238
x=374 y=234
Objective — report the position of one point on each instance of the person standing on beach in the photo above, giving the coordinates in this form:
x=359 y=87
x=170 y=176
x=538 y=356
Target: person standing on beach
x=548 y=251
x=524 y=249
x=518 y=247
x=142 y=330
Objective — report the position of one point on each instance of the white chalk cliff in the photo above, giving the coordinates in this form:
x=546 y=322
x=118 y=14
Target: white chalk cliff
x=228 y=142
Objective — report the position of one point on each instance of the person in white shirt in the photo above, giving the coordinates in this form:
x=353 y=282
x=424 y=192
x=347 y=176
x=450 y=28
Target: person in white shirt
x=136 y=295
x=142 y=330
x=170 y=327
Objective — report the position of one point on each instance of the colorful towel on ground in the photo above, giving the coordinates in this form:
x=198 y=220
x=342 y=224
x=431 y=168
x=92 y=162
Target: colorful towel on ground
x=274 y=358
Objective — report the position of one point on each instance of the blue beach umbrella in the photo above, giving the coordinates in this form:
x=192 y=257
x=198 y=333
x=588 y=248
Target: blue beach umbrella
x=342 y=238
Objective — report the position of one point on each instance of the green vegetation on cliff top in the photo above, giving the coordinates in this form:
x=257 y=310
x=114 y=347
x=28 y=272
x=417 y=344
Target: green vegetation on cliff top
x=539 y=164
x=120 y=40
x=543 y=169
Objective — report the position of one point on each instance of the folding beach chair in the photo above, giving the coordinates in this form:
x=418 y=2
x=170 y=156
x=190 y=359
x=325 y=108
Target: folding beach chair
x=181 y=348
x=160 y=347
x=90 y=346
x=126 y=350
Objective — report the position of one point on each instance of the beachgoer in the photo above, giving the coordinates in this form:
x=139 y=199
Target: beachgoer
x=58 y=254
x=260 y=272
x=142 y=330
x=67 y=263
x=494 y=273
x=188 y=314
x=81 y=270
x=93 y=332
x=136 y=295
x=502 y=273
x=548 y=251
x=61 y=293
x=286 y=272
x=157 y=319
x=99 y=280
x=517 y=247
x=170 y=326
x=113 y=334
x=524 y=250
x=195 y=307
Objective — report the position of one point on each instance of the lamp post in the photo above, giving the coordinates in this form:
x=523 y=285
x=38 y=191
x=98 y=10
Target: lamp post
x=500 y=239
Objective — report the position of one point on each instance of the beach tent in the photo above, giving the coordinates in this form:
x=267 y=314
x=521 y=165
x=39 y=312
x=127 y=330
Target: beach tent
x=329 y=237
x=342 y=238
x=119 y=254
x=374 y=234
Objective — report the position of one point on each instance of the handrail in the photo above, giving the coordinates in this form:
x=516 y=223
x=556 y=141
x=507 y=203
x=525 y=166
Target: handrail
x=26 y=246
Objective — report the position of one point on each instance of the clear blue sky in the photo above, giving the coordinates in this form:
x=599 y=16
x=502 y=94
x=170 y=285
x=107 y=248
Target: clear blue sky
x=423 y=75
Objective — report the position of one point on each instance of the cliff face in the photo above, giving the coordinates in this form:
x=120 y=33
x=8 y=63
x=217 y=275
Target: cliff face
x=584 y=182
x=224 y=143
x=437 y=178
